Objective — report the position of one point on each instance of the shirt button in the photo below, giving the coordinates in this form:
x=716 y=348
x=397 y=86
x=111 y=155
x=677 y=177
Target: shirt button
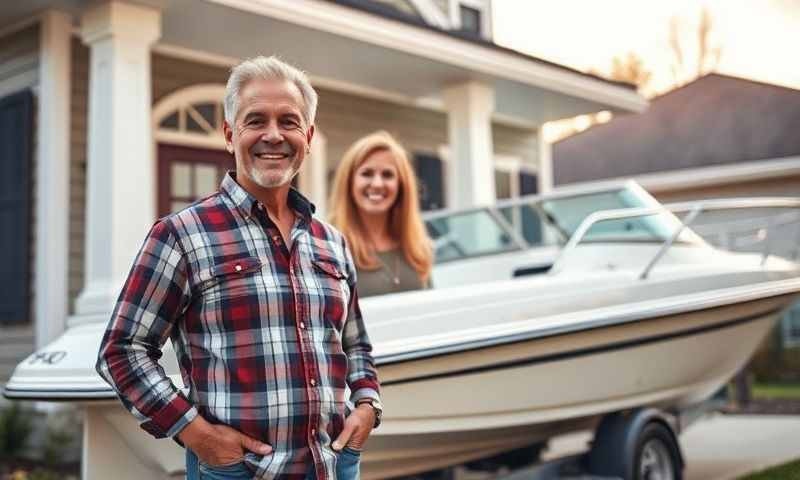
x=302 y=325
x=238 y=268
x=313 y=382
x=313 y=432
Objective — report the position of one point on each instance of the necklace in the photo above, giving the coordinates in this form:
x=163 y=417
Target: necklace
x=392 y=276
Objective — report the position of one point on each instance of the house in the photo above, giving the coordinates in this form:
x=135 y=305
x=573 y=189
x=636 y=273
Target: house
x=719 y=136
x=110 y=113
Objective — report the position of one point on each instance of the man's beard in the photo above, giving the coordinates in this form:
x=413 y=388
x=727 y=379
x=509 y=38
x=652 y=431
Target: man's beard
x=273 y=179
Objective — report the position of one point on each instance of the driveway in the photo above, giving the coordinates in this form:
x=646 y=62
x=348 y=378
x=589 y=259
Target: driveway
x=723 y=447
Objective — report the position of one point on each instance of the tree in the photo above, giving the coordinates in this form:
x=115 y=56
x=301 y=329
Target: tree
x=684 y=67
x=630 y=68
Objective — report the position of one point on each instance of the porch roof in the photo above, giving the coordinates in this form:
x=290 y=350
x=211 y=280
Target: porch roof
x=342 y=46
x=365 y=50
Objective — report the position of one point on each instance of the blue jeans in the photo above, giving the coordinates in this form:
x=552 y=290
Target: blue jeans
x=348 y=467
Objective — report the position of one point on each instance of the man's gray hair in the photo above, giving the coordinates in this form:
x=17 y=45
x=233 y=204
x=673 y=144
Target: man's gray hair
x=268 y=68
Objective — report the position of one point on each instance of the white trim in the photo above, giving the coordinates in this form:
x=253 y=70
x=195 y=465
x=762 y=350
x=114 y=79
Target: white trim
x=52 y=178
x=189 y=139
x=720 y=175
x=702 y=176
x=28 y=79
x=431 y=14
x=426 y=103
x=448 y=50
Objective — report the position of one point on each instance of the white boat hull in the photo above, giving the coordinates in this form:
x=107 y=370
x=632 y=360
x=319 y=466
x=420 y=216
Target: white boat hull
x=454 y=408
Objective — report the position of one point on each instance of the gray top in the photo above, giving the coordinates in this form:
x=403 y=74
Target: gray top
x=393 y=265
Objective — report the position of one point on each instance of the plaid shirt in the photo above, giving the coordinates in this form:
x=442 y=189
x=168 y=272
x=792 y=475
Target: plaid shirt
x=267 y=339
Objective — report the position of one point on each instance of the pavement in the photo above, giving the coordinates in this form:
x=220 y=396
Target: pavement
x=715 y=447
x=725 y=447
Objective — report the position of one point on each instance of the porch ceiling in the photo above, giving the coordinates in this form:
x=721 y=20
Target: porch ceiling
x=241 y=31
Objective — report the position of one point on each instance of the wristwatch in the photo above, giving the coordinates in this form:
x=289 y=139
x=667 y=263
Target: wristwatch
x=376 y=407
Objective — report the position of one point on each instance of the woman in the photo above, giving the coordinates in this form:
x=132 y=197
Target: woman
x=375 y=205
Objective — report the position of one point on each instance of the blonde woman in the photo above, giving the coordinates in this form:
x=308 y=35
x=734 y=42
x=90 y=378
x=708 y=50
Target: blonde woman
x=376 y=206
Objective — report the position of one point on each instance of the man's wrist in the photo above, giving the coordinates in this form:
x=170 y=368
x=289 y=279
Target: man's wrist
x=375 y=406
x=196 y=430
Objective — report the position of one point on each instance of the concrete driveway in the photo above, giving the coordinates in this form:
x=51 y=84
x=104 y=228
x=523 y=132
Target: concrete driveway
x=723 y=447
x=716 y=447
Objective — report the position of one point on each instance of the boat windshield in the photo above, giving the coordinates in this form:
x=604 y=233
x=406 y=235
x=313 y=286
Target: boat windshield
x=534 y=221
x=567 y=213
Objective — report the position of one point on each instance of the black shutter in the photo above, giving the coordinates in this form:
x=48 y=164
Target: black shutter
x=431 y=183
x=16 y=140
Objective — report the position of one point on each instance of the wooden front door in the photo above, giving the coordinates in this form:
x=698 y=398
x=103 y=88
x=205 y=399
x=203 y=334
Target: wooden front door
x=187 y=174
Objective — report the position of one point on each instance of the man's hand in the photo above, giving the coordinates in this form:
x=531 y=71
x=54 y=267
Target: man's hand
x=357 y=428
x=218 y=445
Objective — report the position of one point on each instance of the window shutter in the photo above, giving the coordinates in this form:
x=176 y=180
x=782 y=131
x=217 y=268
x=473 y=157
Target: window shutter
x=431 y=183
x=16 y=142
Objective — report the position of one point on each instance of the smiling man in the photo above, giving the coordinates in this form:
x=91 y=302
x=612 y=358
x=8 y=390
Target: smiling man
x=259 y=299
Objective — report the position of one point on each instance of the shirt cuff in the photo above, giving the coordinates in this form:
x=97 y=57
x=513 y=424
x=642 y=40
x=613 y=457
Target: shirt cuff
x=171 y=419
x=364 y=393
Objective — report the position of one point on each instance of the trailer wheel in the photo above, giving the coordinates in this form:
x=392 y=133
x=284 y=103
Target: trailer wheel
x=657 y=456
x=635 y=445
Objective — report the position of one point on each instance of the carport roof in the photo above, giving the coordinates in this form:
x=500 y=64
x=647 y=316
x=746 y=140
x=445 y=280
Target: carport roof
x=715 y=120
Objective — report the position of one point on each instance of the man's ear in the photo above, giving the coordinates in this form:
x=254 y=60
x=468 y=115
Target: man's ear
x=310 y=135
x=228 y=132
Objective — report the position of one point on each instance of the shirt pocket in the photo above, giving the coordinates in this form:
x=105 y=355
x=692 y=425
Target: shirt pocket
x=232 y=279
x=334 y=291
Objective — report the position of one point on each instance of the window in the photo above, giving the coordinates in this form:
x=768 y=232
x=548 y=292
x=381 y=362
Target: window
x=513 y=179
x=791 y=327
x=430 y=178
x=473 y=18
x=470 y=20
x=188 y=174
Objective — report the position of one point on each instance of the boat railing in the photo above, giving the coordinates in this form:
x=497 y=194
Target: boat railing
x=692 y=210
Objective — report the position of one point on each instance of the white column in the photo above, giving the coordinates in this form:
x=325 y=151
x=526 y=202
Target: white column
x=545 y=158
x=470 y=175
x=313 y=178
x=52 y=177
x=121 y=182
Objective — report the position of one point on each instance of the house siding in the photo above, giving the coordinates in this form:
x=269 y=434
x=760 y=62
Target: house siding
x=19 y=70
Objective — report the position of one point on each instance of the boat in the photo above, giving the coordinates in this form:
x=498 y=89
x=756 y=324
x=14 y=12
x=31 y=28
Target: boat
x=549 y=313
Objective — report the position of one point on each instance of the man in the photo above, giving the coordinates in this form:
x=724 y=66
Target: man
x=259 y=300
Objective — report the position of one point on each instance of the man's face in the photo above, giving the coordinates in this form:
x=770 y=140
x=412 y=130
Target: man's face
x=270 y=137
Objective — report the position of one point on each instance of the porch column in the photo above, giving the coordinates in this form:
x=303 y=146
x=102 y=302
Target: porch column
x=545 y=156
x=470 y=175
x=120 y=158
x=52 y=177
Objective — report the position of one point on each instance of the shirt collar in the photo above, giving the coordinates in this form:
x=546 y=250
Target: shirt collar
x=246 y=202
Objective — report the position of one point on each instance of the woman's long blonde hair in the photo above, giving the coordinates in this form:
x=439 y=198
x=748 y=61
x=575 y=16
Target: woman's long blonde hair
x=405 y=223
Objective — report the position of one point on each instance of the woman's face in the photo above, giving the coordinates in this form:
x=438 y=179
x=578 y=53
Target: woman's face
x=376 y=184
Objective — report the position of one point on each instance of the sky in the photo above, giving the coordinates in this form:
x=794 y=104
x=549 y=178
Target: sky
x=759 y=39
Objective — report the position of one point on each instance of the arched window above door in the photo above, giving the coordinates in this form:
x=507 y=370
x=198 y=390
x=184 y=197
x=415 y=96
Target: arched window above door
x=191 y=116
